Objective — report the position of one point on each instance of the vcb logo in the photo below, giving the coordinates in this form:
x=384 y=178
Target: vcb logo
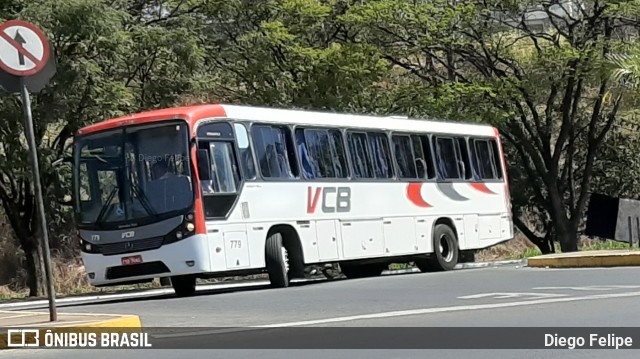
x=341 y=202
x=129 y=234
x=23 y=338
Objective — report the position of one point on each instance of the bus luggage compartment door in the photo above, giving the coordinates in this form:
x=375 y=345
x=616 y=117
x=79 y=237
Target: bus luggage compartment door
x=236 y=250
x=362 y=238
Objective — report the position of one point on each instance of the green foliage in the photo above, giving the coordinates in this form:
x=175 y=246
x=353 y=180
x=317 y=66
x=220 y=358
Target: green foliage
x=554 y=94
x=112 y=58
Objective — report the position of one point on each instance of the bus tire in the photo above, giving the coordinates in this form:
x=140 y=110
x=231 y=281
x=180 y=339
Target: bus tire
x=277 y=261
x=184 y=285
x=445 y=251
x=352 y=271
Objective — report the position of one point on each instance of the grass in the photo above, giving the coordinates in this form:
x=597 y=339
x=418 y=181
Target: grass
x=70 y=278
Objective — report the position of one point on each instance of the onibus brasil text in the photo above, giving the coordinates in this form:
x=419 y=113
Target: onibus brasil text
x=50 y=339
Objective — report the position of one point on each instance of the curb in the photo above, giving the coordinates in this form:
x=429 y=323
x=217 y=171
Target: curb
x=625 y=259
x=118 y=324
x=491 y=264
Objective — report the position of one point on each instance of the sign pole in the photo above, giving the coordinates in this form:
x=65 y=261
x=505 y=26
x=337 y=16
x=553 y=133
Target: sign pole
x=28 y=124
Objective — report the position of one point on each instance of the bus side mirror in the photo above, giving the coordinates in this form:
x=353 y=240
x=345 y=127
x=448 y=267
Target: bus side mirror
x=62 y=181
x=204 y=165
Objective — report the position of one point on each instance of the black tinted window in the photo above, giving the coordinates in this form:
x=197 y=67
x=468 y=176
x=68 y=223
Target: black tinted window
x=405 y=157
x=486 y=160
x=359 y=154
x=380 y=156
x=446 y=158
x=463 y=158
x=424 y=159
x=274 y=150
x=321 y=153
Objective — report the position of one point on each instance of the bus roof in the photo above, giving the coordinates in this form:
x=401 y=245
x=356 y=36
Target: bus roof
x=192 y=114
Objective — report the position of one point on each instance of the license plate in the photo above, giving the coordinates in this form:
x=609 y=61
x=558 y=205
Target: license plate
x=131 y=260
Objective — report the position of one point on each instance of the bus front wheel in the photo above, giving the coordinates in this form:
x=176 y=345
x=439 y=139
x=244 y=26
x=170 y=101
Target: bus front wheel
x=184 y=285
x=277 y=261
x=445 y=251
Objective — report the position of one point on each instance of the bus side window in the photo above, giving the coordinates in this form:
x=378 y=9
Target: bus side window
x=497 y=159
x=463 y=158
x=422 y=143
x=246 y=157
x=275 y=151
x=380 y=158
x=303 y=151
x=486 y=160
x=408 y=164
x=337 y=153
x=448 y=166
x=359 y=155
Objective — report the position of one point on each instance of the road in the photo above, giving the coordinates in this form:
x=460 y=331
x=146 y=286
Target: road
x=509 y=296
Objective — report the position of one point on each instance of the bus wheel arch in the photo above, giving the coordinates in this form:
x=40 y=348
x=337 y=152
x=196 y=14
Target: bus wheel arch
x=290 y=240
x=446 y=249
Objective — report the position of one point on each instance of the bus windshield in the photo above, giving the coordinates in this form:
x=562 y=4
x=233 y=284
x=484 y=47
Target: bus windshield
x=132 y=174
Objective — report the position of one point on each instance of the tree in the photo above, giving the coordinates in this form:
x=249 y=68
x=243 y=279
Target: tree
x=547 y=90
x=289 y=53
x=113 y=57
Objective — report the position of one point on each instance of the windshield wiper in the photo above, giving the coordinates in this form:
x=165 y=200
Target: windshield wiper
x=144 y=200
x=104 y=208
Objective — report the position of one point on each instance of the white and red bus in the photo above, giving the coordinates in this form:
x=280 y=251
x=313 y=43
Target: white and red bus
x=221 y=190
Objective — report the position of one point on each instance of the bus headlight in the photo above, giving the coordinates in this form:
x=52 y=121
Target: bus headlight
x=179 y=235
x=87 y=247
x=190 y=227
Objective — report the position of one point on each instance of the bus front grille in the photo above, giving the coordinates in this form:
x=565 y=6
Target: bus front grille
x=131 y=246
x=136 y=270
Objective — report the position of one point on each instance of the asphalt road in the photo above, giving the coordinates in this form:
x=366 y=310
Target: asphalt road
x=509 y=296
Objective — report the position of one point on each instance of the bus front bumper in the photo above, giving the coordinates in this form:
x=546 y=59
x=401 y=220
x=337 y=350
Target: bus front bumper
x=188 y=256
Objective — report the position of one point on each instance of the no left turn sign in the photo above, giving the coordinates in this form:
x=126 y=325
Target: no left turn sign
x=24 y=50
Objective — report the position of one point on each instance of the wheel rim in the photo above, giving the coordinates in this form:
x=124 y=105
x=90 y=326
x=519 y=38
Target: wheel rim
x=285 y=259
x=446 y=248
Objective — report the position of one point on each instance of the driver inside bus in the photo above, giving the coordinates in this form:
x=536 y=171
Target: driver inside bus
x=167 y=190
x=160 y=170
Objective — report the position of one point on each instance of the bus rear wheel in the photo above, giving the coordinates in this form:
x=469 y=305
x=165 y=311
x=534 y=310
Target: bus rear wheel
x=184 y=285
x=277 y=261
x=353 y=271
x=445 y=251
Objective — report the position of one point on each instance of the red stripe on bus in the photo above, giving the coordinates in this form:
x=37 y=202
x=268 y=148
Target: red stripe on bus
x=479 y=186
x=414 y=194
x=201 y=227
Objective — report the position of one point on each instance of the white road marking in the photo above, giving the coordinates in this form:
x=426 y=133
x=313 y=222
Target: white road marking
x=451 y=309
x=89 y=299
x=512 y=295
x=18 y=316
x=401 y=313
x=591 y=287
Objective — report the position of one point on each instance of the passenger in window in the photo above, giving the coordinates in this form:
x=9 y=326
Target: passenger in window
x=421 y=166
x=462 y=168
x=304 y=157
x=248 y=161
x=442 y=169
x=283 y=162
